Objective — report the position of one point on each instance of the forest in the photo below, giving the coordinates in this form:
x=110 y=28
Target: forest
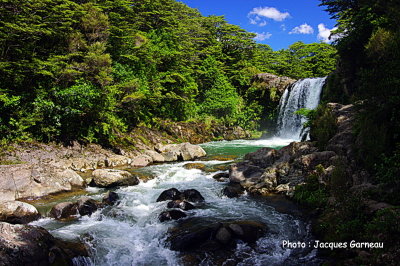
x=93 y=70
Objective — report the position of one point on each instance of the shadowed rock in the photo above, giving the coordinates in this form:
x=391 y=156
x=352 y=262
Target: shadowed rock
x=180 y=204
x=169 y=194
x=171 y=215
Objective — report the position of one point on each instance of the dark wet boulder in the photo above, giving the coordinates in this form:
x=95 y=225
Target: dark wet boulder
x=223 y=235
x=192 y=195
x=171 y=215
x=87 y=206
x=64 y=210
x=180 y=204
x=199 y=235
x=221 y=177
x=233 y=191
x=111 y=198
x=30 y=245
x=169 y=194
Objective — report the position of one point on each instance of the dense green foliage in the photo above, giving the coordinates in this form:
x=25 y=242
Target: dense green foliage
x=367 y=75
x=369 y=71
x=88 y=70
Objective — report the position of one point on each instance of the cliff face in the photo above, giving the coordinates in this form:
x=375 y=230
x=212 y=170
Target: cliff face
x=271 y=81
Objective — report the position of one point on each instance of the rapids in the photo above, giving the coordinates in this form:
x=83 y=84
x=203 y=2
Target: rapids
x=130 y=233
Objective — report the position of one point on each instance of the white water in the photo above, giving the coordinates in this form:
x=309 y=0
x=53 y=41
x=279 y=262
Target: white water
x=130 y=233
x=304 y=93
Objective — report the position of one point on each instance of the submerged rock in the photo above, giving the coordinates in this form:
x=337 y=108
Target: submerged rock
x=200 y=166
x=112 y=178
x=169 y=194
x=17 y=212
x=171 y=215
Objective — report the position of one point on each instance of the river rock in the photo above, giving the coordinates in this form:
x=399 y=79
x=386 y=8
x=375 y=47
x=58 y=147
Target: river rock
x=17 y=212
x=111 y=198
x=233 y=191
x=171 y=215
x=64 y=210
x=199 y=235
x=112 y=178
x=239 y=172
x=30 y=245
x=87 y=206
x=155 y=156
x=223 y=235
x=180 y=204
x=192 y=195
x=221 y=177
x=200 y=166
x=180 y=152
x=117 y=160
x=141 y=161
x=35 y=180
x=169 y=194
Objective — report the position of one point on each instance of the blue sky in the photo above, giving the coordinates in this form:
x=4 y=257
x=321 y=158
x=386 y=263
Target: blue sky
x=277 y=23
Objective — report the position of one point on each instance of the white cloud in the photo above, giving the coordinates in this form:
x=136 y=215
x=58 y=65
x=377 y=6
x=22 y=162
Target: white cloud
x=283 y=27
x=302 y=29
x=269 y=12
x=262 y=36
x=262 y=24
x=324 y=34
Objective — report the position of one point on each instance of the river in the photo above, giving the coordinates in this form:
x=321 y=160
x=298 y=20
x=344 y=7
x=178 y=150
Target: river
x=131 y=234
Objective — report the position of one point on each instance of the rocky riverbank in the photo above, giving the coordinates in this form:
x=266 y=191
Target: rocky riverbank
x=344 y=200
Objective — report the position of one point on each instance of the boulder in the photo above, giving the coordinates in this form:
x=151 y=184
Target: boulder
x=180 y=204
x=155 y=156
x=87 y=206
x=169 y=194
x=30 y=245
x=111 y=198
x=73 y=178
x=64 y=210
x=171 y=215
x=192 y=195
x=117 y=160
x=112 y=178
x=239 y=172
x=221 y=177
x=170 y=156
x=20 y=181
x=223 y=235
x=199 y=235
x=17 y=212
x=141 y=161
x=263 y=157
x=180 y=152
x=233 y=191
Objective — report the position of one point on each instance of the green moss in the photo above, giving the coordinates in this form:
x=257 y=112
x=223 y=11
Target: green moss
x=323 y=126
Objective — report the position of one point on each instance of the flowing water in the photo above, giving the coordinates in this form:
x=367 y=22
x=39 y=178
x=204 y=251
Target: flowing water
x=304 y=93
x=130 y=233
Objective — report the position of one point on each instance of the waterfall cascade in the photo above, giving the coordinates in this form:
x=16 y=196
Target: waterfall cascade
x=304 y=93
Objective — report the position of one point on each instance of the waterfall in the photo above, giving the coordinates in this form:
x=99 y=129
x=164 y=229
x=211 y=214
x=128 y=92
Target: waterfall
x=304 y=93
